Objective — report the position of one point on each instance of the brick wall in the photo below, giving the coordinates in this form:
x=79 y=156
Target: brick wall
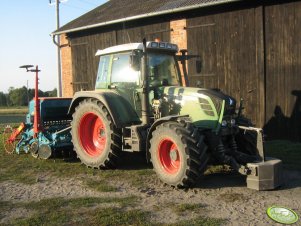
x=178 y=35
x=67 y=87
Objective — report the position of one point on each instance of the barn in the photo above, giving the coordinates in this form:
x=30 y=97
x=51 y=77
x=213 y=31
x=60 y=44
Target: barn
x=250 y=49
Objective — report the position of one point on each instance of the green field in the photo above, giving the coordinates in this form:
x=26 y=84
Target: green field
x=10 y=115
x=13 y=110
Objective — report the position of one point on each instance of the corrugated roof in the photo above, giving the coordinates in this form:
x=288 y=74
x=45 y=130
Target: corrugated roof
x=115 y=11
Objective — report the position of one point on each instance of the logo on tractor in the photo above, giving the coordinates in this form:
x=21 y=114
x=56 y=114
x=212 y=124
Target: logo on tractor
x=282 y=215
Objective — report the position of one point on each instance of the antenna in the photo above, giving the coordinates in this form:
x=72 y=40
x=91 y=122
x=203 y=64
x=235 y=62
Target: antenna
x=123 y=28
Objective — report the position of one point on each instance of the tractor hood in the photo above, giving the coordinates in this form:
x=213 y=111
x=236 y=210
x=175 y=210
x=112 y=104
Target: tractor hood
x=206 y=107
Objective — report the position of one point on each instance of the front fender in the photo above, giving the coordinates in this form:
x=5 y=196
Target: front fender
x=120 y=109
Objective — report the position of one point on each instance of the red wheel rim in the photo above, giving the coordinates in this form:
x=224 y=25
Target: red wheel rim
x=92 y=134
x=169 y=156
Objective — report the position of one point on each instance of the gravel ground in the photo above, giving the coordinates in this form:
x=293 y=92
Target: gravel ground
x=222 y=195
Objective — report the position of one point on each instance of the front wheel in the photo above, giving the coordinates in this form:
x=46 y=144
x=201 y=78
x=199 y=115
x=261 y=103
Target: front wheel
x=178 y=157
x=96 y=140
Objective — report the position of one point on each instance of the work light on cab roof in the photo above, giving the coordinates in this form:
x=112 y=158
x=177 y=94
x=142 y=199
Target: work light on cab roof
x=139 y=46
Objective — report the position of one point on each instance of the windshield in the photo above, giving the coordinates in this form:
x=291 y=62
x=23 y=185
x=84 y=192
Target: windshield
x=163 y=70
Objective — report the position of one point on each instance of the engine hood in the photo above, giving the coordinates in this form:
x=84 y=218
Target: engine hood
x=206 y=107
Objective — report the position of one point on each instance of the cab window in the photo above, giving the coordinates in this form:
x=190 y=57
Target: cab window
x=122 y=72
x=103 y=70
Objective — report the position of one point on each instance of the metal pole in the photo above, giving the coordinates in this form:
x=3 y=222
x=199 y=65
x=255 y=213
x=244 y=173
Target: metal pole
x=59 y=77
x=27 y=93
x=36 y=120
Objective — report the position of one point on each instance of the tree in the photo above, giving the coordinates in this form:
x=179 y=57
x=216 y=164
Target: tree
x=3 y=101
x=52 y=93
x=18 y=97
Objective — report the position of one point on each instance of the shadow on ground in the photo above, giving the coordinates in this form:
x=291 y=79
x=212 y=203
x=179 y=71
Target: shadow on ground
x=137 y=161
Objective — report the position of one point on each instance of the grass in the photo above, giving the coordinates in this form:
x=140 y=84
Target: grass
x=90 y=211
x=217 y=169
x=81 y=211
x=233 y=197
x=136 y=177
x=289 y=152
x=101 y=185
x=204 y=221
x=13 y=110
x=24 y=168
x=183 y=207
x=61 y=203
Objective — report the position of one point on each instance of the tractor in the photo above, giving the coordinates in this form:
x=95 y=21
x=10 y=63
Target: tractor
x=140 y=105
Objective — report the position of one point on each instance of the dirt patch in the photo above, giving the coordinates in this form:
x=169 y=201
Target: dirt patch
x=218 y=195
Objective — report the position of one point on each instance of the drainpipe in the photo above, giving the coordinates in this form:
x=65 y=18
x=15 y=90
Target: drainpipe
x=59 y=76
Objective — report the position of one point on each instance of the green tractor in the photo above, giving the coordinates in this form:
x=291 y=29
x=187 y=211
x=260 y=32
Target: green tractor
x=140 y=105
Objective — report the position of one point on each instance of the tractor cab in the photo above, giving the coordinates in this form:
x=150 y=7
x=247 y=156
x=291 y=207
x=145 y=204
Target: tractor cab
x=121 y=65
x=120 y=69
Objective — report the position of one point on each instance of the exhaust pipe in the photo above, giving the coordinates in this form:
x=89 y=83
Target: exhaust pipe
x=145 y=87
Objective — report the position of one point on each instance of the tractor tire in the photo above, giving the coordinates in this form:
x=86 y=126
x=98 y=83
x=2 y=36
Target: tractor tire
x=96 y=140
x=178 y=154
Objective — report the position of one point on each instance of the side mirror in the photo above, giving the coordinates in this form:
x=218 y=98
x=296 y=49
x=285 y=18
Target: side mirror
x=198 y=66
x=135 y=61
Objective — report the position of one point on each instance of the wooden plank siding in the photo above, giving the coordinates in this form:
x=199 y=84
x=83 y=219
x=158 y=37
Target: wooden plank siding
x=134 y=32
x=283 y=70
x=229 y=55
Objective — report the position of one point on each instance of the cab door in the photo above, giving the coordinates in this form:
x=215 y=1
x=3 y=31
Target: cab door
x=126 y=80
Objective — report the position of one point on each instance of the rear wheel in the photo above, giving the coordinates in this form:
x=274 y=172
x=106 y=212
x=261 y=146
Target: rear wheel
x=96 y=140
x=178 y=154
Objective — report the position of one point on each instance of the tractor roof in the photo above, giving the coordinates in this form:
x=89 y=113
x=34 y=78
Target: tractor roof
x=165 y=46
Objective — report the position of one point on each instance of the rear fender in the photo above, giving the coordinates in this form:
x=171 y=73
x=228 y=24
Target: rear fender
x=120 y=109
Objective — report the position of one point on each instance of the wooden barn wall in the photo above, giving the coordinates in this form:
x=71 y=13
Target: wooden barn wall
x=135 y=33
x=283 y=70
x=250 y=50
x=84 y=46
x=84 y=61
x=228 y=47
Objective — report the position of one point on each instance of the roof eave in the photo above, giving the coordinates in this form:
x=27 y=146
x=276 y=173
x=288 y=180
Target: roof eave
x=141 y=16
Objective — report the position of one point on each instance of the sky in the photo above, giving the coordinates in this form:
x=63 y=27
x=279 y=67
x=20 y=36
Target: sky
x=25 y=28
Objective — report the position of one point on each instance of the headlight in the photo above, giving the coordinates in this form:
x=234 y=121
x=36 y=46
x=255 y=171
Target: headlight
x=154 y=44
x=162 y=45
x=224 y=123
x=232 y=122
